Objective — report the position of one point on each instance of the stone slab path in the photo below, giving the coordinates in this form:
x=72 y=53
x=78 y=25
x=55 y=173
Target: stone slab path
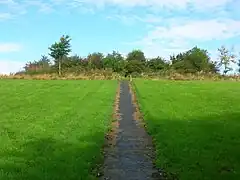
x=131 y=157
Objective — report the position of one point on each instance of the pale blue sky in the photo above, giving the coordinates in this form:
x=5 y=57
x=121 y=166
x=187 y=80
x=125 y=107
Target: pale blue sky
x=158 y=27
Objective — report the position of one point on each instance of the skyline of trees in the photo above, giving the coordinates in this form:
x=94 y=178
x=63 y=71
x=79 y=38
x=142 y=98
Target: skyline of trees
x=195 y=60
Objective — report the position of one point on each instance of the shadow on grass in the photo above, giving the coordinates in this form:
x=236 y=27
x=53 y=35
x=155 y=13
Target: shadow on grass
x=51 y=159
x=198 y=147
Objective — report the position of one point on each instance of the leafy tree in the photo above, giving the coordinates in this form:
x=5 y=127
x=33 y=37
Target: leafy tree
x=44 y=62
x=40 y=66
x=157 y=64
x=95 y=60
x=137 y=55
x=135 y=62
x=115 y=61
x=178 y=62
x=192 y=61
x=213 y=67
x=238 y=64
x=198 y=59
x=226 y=58
x=71 y=64
x=175 y=59
x=59 y=50
x=133 y=66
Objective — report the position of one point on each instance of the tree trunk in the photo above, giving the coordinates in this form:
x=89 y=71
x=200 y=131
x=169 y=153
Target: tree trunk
x=59 y=66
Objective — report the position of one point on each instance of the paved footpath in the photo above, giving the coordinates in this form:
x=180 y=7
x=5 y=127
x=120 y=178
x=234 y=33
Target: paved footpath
x=131 y=157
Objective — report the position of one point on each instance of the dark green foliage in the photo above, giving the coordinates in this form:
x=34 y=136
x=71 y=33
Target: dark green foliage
x=114 y=61
x=135 y=62
x=157 y=64
x=134 y=66
x=238 y=63
x=213 y=67
x=137 y=55
x=95 y=60
x=192 y=61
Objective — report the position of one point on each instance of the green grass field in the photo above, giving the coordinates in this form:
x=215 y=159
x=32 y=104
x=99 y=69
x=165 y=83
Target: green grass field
x=53 y=129
x=195 y=125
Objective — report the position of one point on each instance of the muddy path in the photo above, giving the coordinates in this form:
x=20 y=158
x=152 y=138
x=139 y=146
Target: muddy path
x=131 y=156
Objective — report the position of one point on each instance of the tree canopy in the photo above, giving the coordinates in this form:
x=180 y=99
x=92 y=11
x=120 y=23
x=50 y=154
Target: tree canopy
x=60 y=49
x=195 y=60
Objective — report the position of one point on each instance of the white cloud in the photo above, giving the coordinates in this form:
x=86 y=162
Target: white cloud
x=8 y=66
x=9 y=47
x=171 y=4
x=167 y=35
x=13 y=8
x=87 y=6
x=159 y=3
x=200 y=30
x=180 y=35
x=41 y=5
x=5 y=16
x=170 y=33
x=130 y=19
x=7 y=2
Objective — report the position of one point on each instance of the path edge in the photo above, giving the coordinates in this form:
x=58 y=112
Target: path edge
x=111 y=134
x=138 y=116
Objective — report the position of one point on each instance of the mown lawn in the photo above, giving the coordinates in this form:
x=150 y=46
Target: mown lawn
x=195 y=125
x=53 y=129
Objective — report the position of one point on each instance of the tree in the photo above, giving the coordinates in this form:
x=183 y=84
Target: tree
x=238 y=64
x=44 y=62
x=95 y=60
x=60 y=49
x=71 y=64
x=178 y=62
x=40 y=66
x=192 y=61
x=198 y=59
x=115 y=61
x=157 y=64
x=135 y=62
x=213 y=67
x=137 y=55
x=133 y=66
x=226 y=58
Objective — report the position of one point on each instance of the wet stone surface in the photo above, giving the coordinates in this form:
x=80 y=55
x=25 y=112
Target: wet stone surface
x=131 y=157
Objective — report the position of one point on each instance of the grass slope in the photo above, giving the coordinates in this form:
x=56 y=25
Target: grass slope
x=53 y=129
x=195 y=126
